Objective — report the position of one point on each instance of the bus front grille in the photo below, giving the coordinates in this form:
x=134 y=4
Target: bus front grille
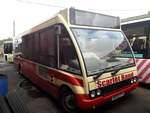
x=108 y=89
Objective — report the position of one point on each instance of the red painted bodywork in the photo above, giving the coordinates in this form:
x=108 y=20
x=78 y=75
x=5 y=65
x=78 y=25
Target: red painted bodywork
x=85 y=103
x=29 y=69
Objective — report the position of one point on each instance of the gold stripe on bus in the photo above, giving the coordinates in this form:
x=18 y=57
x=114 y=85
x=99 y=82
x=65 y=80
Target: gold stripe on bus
x=63 y=72
x=93 y=27
x=60 y=71
x=74 y=88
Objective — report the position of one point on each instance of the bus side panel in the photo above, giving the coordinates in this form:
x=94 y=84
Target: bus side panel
x=29 y=70
x=50 y=80
x=18 y=63
x=143 y=67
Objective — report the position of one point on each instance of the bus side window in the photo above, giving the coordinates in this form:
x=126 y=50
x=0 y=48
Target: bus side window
x=47 y=44
x=40 y=47
x=68 y=60
x=139 y=46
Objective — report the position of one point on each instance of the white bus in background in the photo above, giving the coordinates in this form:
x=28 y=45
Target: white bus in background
x=137 y=30
x=8 y=51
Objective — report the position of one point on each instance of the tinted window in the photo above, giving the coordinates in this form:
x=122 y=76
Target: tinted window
x=40 y=47
x=140 y=46
x=48 y=48
x=68 y=57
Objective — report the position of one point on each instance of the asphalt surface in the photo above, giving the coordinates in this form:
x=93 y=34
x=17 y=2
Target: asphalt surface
x=37 y=101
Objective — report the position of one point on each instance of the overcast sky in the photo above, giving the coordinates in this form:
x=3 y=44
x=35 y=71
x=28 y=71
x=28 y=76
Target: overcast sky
x=28 y=13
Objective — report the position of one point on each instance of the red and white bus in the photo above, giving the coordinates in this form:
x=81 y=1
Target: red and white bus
x=76 y=57
x=137 y=30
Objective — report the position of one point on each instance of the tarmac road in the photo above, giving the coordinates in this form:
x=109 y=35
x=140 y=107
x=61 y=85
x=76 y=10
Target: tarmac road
x=37 y=101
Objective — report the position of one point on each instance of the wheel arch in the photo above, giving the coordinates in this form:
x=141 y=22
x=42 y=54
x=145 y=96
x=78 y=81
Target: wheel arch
x=64 y=87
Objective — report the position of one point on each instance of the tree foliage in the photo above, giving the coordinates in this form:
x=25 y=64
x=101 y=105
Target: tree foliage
x=2 y=41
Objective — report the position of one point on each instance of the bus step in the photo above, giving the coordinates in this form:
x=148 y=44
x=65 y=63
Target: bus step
x=16 y=103
x=4 y=108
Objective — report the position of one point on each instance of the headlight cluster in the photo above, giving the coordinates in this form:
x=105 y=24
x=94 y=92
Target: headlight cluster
x=95 y=93
x=135 y=79
x=107 y=89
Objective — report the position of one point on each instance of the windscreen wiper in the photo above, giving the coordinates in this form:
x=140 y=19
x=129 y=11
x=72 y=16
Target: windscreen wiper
x=122 y=67
x=100 y=73
x=115 y=72
x=115 y=68
x=103 y=71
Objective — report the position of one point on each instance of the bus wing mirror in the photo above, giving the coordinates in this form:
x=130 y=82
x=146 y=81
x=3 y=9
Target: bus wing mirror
x=58 y=29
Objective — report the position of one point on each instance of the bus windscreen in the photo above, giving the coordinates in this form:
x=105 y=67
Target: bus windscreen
x=103 y=49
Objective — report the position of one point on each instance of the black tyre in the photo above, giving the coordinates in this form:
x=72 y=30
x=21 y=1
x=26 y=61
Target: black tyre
x=68 y=102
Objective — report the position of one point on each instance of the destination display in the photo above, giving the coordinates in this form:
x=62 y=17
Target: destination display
x=78 y=17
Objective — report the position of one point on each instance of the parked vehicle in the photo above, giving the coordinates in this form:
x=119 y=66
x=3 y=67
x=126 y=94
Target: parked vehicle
x=8 y=51
x=138 y=32
x=76 y=57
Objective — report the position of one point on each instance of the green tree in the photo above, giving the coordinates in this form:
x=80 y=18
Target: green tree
x=3 y=40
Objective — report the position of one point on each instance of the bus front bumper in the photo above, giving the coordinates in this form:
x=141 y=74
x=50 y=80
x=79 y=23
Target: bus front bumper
x=84 y=103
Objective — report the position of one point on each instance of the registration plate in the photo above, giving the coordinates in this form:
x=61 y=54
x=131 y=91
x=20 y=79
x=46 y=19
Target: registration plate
x=118 y=96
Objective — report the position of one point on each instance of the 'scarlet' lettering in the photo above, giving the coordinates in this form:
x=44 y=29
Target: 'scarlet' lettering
x=113 y=80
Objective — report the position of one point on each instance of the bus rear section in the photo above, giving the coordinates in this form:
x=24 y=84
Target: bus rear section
x=137 y=32
x=79 y=62
x=8 y=49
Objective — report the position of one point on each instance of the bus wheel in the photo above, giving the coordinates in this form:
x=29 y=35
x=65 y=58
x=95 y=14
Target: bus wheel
x=68 y=102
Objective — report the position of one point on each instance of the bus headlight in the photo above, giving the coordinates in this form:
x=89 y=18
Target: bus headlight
x=135 y=79
x=98 y=92
x=92 y=94
x=95 y=93
x=132 y=81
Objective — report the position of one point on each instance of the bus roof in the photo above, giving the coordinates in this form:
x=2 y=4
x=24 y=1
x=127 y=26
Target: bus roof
x=136 y=19
x=75 y=17
x=136 y=26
